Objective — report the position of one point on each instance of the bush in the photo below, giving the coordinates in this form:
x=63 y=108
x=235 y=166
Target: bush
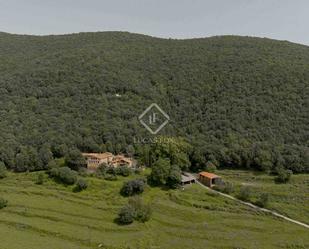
x=126 y=215
x=65 y=175
x=111 y=178
x=142 y=211
x=111 y=170
x=53 y=172
x=263 y=200
x=244 y=194
x=3 y=203
x=81 y=185
x=83 y=172
x=102 y=169
x=123 y=171
x=137 y=171
x=133 y=187
x=283 y=176
x=3 y=170
x=134 y=210
x=226 y=188
x=39 y=178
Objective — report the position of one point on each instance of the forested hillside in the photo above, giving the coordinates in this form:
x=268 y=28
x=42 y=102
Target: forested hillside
x=239 y=101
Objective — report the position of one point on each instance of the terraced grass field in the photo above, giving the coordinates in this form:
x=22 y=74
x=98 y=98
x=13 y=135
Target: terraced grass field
x=52 y=216
x=290 y=199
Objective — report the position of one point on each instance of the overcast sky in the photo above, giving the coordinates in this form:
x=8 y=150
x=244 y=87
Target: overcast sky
x=278 y=19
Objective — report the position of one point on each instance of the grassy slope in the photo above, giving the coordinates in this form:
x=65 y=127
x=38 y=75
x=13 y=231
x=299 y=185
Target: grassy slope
x=52 y=215
x=291 y=199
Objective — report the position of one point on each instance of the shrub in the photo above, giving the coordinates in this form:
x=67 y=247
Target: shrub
x=244 y=194
x=83 y=171
x=111 y=170
x=142 y=211
x=3 y=170
x=102 y=169
x=226 y=187
x=53 y=172
x=39 y=178
x=126 y=215
x=3 y=203
x=133 y=187
x=137 y=171
x=123 y=171
x=81 y=185
x=263 y=200
x=111 y=178
x=134 y=210
x=283 y=176
x=65 y=175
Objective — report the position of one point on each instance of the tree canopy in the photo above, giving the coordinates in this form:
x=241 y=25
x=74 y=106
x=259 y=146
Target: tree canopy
x=239 y=101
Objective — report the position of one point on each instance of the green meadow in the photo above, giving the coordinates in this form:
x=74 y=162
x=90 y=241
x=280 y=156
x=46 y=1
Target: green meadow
x=53 y=216
x=290 y=199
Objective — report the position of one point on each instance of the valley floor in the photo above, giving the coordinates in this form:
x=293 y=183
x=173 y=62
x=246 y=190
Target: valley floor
x=52 y=216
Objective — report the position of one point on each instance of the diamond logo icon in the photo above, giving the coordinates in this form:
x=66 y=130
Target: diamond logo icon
x=153 y=118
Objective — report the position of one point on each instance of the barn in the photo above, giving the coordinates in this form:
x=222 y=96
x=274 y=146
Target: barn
x=209 y=179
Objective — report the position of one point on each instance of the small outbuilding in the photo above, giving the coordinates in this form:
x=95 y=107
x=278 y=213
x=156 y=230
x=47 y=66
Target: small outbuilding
x=209 y=179
x=187 y=179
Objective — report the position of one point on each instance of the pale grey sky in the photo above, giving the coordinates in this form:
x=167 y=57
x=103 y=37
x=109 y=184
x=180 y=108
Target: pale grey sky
x=278 y=19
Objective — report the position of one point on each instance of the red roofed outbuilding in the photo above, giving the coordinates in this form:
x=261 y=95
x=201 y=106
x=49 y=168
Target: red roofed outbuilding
x=209 y=179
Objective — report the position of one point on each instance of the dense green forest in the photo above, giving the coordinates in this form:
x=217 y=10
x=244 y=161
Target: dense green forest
x=238 y=101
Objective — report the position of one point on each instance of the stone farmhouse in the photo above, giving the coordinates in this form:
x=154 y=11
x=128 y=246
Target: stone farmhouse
x=94 y=160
